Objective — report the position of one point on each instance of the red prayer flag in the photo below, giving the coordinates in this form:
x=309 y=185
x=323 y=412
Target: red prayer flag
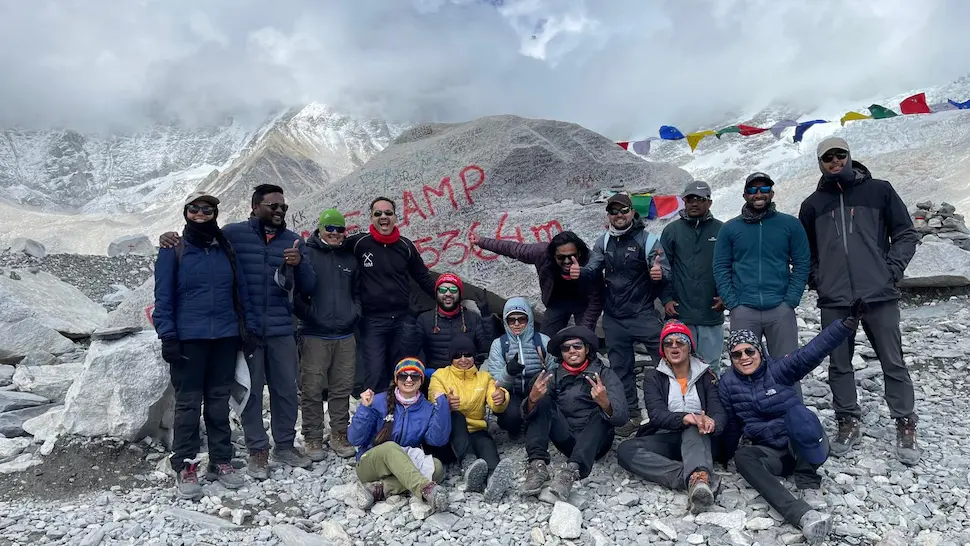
x=624 y=145
x=748 y=130
x=667 y=205
x=915 y=105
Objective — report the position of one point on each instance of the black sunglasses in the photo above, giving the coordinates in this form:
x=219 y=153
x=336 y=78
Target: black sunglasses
x=205 y=209
x=414 y=376
x=276 y=206
x=378 y=213
x=463 y=355
x=517 y=320
x=576 y=345
x=750 y=351
x=566 y=257
x=695 y=199
x=828 y=157
x=338 y=229
x=614 y=212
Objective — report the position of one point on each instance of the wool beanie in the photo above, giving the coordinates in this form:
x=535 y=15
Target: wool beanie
x=461 y=344
x=738 y=337
x=409 y=364
x=450 y=278
x=332 y=217
x=677 y=328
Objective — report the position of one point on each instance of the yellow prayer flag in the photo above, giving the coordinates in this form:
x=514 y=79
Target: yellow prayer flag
x=853 y=116
x=694 y=138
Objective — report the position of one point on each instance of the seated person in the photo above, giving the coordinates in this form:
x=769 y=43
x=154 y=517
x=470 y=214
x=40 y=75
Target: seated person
x=516 y=358
x=758 y=395
x=469 y=391
x=577 y=405
x=436 y=328
x=674 y=448
x=389 y=429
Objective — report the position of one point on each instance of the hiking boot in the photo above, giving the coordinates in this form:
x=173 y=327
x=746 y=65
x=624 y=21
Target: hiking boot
x=435 y=496
x=476 y=476
x=341 y=446
x=630 y=427
x=258 y=465
x=563 y=484
x=536 y=475
x=815 y=526
x=500 y=481
x=291 y=457
x=699 y=492
x=187 y=483
x=906 y=448
x=225 y=474
x=368 y=494
x=850 y=431
x=315 y=450
x=814 y=498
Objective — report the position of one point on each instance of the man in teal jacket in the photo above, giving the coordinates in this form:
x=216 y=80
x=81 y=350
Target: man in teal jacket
x=761 y=265
x=691 y=296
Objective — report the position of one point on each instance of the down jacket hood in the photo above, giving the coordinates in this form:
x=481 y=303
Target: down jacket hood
x=519 y=305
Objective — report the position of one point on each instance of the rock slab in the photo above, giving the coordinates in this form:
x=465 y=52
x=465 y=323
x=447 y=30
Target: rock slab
x=12 y=422
x=291 y=535
x=56 y=304
x=13 y=400
x=29 y=247
x=566 y=521
x=23 y=332
x=937 y=265
x=131 y=244
x=51 y=382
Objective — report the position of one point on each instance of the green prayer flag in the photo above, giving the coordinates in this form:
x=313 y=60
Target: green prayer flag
x=731 y=129
x=881 y=112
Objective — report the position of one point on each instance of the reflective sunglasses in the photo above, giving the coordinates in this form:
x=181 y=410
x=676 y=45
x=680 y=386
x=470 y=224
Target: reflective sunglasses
x=195 y=209
x=463 y=355
x=517 y=320
x=614 y=212
x=447 y=290
x=378 y=213
x=828 y=157
x=276 y=206
x=673 y=342
x=338 y=229
x=413 y=376
x=750 y=351
x=574 y=346
x=753 y=190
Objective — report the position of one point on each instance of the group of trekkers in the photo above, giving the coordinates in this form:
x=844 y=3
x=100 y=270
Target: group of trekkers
x=427 y=384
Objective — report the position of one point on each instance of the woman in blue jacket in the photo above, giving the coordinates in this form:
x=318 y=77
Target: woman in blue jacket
x=201 y=314
x=389 y=429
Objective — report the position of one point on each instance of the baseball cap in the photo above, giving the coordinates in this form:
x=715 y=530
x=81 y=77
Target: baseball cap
x=831 y=143
x=621 y=199
x=698 y=188
x=202 y=196
x=807 y=435
x=759 y=177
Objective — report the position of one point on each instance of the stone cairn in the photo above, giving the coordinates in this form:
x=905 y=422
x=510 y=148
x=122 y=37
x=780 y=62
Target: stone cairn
x=942 y=222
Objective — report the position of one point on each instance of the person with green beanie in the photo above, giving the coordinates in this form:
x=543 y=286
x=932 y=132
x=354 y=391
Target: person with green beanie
x=328 y=318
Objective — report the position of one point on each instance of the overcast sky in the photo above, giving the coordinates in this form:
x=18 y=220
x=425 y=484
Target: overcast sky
x=621 y=67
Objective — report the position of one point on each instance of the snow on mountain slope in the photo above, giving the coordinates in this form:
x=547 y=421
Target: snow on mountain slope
x=924 y=156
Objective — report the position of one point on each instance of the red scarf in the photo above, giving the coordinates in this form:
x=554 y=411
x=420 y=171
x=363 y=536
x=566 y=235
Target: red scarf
x=578 y=369
x=450 y=314
x=394 y=237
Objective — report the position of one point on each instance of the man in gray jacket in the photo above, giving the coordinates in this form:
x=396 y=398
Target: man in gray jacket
x=861 y=240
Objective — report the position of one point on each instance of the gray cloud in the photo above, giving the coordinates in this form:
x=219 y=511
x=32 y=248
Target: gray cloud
x=621 y=67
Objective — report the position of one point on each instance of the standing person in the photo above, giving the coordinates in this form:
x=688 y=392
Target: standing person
x=388 y=262
x=449 y=319
x=328 y=356
x=674 y=448
x=761 y=403
x=263 y=247
x=761 y=263
x=516 y=358
x=576 y=405
x=201 y=307
x=469 y=392
x=389 y=428
x=630 y=261
x=564 y=297
x=861 y=239
x=691 y=295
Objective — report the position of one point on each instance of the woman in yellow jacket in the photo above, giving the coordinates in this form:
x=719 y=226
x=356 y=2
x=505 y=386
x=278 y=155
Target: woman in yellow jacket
x=469 y=391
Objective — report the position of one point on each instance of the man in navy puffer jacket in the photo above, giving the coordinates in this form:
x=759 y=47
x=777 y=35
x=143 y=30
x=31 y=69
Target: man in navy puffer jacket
x=757 y=394
x=263 y=245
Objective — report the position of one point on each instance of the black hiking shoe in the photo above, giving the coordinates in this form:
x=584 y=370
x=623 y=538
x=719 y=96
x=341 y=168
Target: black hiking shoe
x=536 y=475
x=850 y=431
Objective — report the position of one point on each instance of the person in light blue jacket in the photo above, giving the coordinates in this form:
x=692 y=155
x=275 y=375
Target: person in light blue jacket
x=515 y=358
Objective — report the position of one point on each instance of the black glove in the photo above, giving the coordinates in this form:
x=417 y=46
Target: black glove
x=483 y=304
x=513 y=367
x=251 y=344
x=171 y=351
x=857 y=310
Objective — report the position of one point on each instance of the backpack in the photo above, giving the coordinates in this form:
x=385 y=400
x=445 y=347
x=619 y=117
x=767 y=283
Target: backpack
x=536 y=340
x=648 y=242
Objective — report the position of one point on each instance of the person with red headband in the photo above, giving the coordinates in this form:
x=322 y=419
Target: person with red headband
x=674 y=447
x=437 y=327
x=388 y=262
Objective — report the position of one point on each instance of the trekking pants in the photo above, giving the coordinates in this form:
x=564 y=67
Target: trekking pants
x=273 y=365
x=621 y=333
x=390 y=464
x=668 y=458
x=759 y=465
x=326 y=366
x=581 y=446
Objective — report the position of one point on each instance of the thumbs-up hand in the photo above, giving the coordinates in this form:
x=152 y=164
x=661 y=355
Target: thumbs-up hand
x=656 y=272
x=453 y=400
x=292 y=256
x=574 y=271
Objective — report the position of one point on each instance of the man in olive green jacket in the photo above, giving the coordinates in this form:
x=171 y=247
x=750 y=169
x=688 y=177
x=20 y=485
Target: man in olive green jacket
x=691 y=296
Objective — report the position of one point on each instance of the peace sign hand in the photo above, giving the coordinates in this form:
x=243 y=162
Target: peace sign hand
x=540 y=387
x=598 y=391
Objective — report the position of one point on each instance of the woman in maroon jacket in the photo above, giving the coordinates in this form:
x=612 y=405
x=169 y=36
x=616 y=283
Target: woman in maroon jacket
x=563 y=297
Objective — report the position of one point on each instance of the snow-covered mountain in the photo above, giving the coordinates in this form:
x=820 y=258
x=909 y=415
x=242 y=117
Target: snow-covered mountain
x=77 y=192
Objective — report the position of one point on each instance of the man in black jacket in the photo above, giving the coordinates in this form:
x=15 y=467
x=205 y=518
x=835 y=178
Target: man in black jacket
x=328 y=353
x=388 y=262
x=861 y=239
x=439 y=326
